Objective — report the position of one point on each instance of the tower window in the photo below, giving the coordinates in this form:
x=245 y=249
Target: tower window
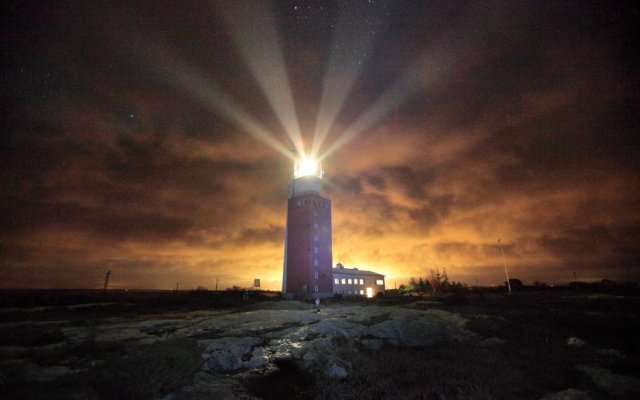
x=315 y=262
x=344 y=281
x=315 y=237
x=349 y=281
x=315 y=249
x=316 y=288
x=315 y=225
x=336 y=281
x=315 y=275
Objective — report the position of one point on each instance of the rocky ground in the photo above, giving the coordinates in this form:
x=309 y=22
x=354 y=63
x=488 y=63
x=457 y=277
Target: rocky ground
x=442 y=348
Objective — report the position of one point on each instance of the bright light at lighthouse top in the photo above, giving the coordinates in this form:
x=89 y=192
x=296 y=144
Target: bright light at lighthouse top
x=307 y=166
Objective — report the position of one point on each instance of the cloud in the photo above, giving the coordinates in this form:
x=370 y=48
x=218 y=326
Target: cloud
x=522 y=127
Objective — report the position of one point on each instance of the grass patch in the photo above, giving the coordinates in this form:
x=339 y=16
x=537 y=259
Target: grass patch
x=27 y=334
x=450 y=371
x=147 y=372
x=286 y=382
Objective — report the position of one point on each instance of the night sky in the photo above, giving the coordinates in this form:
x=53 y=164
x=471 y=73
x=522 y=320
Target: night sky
x=151 y=139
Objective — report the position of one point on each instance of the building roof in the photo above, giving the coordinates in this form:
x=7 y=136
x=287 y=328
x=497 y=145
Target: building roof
x=353 y=271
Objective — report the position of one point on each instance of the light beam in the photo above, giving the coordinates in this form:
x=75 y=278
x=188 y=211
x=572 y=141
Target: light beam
x=183 y=76
x=454 y=52
x=253 y=30
x=351 y=48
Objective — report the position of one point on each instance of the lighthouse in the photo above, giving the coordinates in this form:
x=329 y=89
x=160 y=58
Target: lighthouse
x=307 y=263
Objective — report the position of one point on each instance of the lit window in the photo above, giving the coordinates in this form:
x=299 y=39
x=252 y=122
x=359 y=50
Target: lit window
x=361 y=291
x=315 y=262
x=349 y=291
x=350 y=281
x=379 y=282
x=362 y=281
x=344 y=281
x=336 y=281
x=315 y=249
x=316 y=288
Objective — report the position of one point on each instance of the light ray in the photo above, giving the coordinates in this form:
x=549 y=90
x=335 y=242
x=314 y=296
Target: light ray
x=208 y=92
x=453 y=52
x=253 y=30
x=400 y=91
x=181 y=75
x=351 y=48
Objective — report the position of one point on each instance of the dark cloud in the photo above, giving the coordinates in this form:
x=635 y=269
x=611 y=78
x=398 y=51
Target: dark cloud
x=273 y=235
x=596 y=246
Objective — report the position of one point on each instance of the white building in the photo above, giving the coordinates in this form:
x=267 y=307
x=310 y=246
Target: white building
x=356 y=282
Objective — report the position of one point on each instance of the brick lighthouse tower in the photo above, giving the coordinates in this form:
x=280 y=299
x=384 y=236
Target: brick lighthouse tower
x=307 y=247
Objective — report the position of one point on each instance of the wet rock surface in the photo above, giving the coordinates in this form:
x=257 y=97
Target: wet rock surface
x=233 y=344
x=285 y=349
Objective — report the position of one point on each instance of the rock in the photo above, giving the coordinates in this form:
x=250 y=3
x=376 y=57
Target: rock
x=336 y=371
x=611 y=353
x=259 y=358
x=211 y=386
x=310 y=356
x=410 y=332
x=569 y=394
x=229 y=354
x=372 y=344
x=249 y=323
x=49 y=351
x=608 y=381
x=8 y=352
x=121 y=333
x=576 y=342
x=32 y=372
x=492 y=342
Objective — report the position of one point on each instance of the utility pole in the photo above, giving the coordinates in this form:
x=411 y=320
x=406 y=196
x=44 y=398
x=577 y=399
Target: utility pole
x=505 y=265
x=106 y=280
x=216 y=283
x=177 y=285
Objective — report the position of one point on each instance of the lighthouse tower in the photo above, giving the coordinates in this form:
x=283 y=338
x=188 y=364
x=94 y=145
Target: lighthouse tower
x=307 y=248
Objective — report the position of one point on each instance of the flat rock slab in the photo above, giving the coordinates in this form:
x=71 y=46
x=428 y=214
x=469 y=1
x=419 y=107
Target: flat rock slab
x=569 y=394
x=235 y=343
x=606 y=380
x=255 y=339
